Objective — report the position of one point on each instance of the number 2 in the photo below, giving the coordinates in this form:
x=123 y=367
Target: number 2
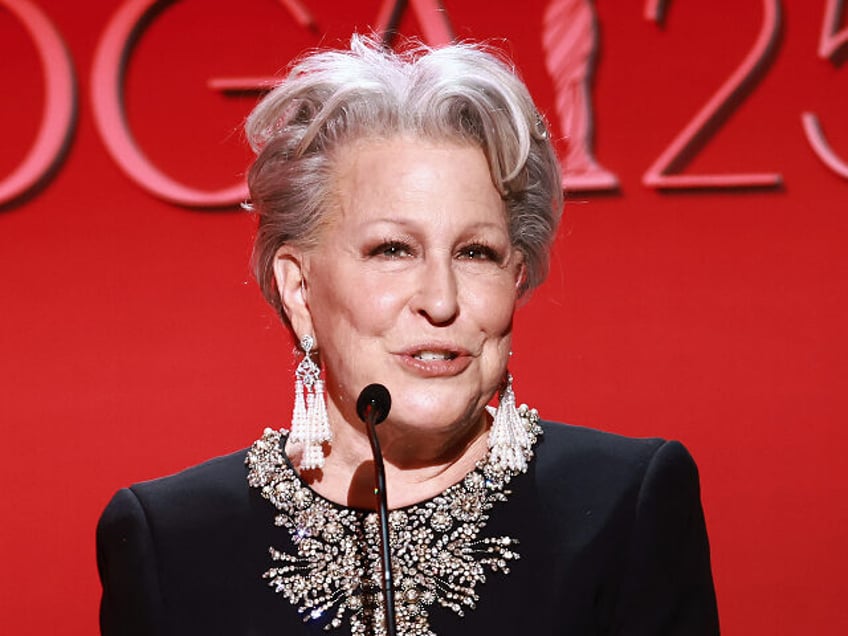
x=663 y=173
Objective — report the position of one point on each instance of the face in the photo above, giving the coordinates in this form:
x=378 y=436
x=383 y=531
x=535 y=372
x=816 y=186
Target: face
x=413 y=283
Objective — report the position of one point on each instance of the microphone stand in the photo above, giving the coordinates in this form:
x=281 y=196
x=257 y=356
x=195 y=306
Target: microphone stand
x=372 y=414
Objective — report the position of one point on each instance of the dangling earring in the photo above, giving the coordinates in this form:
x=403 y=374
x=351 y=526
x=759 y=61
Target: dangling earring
x=310 y=426
x=509 y=438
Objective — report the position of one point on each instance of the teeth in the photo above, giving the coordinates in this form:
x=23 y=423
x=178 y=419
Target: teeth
x=433 y=355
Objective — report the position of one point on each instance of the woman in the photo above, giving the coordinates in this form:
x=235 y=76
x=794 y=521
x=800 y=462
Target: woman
x=406 y=203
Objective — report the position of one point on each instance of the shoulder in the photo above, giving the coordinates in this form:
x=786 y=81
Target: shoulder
x=623 y=516
x=213 y=478
x=596 y=461
x=185 y=550
x=579 y=447
x=213 y=488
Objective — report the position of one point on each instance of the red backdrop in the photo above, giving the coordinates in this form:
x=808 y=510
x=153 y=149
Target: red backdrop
x=134 y=343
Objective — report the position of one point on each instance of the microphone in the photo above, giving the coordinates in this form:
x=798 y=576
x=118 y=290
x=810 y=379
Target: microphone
x=375 y=402
x=373 y=407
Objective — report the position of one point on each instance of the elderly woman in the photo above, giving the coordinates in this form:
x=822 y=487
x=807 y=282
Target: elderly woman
x=407 y=202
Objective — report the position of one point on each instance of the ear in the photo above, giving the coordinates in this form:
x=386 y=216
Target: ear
x=290 y=275
x=520 y=275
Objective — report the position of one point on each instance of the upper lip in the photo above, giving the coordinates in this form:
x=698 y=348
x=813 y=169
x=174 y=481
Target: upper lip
x=450 y=350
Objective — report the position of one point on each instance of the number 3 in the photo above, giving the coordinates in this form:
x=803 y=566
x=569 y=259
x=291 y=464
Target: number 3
x=831 y=46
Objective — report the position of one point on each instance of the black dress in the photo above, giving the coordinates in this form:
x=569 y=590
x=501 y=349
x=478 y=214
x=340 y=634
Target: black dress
x=603 y=535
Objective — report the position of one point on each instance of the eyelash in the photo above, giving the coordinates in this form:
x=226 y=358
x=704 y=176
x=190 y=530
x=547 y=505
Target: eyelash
x=395 y=249
x=479 y=251
x=392 y=249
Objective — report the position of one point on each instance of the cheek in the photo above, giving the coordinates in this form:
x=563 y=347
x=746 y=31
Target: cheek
x=367 y=303
x=389 y=296
x=493 y=307
x=386 y=295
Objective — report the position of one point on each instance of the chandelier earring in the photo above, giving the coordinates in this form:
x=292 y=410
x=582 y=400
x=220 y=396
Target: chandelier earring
x=511 y=436
x=310 y=426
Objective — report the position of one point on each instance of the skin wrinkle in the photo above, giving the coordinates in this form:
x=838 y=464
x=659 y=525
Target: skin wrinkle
x=468 y=94
x=449 y=278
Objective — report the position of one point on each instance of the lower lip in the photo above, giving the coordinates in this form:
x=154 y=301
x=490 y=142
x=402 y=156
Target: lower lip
x=436 y=368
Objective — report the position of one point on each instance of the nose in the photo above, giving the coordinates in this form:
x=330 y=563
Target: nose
x=436 y=297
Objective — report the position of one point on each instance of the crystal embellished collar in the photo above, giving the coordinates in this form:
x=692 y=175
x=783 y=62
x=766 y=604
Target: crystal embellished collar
x=334 y=571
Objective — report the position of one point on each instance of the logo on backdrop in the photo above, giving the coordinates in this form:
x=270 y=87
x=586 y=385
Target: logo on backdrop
x=569 y=36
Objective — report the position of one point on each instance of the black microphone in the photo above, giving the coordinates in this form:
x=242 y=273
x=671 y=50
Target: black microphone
x=374 y=402
x=373 y=407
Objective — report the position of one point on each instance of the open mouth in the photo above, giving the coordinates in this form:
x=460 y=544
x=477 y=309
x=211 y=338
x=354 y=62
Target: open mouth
x=434 y=355
x=437 y=360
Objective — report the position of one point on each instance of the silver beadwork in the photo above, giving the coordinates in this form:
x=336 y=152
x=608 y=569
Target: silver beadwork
x=310 y=426
x=333 y=574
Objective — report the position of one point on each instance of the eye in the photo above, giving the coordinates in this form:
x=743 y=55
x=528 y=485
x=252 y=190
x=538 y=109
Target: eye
x=392 y=250
x=479 y=252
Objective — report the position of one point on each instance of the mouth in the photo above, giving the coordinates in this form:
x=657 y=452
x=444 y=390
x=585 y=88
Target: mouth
x=436 y=360
x=429 y=356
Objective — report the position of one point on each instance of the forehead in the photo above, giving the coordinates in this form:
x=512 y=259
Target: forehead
x=403 y=176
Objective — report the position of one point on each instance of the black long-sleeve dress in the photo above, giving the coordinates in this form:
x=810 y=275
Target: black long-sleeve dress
x=603 y=535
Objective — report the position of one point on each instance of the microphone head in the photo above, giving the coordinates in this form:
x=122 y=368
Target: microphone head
x=374 y=402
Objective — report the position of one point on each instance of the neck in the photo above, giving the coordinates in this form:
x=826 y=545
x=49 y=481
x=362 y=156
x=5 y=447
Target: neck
x=419 y=465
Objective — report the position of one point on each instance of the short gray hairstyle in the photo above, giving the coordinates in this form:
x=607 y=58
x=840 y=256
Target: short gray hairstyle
x=462 y=92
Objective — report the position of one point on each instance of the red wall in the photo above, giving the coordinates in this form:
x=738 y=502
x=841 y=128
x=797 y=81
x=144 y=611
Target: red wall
x=133 y=341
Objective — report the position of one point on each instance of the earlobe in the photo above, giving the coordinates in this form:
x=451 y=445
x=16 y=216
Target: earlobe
x=290 y=276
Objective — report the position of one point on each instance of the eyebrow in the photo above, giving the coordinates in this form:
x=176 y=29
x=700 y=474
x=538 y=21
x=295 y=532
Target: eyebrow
x=412 y=223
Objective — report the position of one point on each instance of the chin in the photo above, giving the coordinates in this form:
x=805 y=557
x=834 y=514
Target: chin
x=434 y=416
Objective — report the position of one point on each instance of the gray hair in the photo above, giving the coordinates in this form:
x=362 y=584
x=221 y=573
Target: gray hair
x=462 y=92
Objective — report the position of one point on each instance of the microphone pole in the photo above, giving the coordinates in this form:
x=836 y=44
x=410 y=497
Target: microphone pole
x=372 y=407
